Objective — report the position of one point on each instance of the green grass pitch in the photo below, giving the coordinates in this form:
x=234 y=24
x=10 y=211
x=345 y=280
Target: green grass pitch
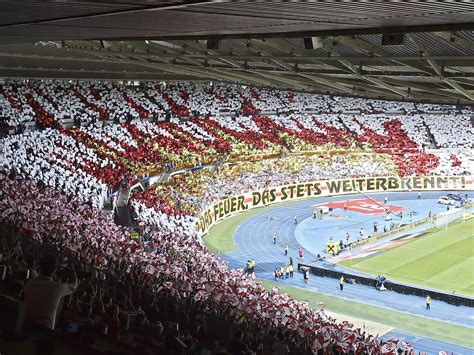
x=219 y=239
x=443 y=259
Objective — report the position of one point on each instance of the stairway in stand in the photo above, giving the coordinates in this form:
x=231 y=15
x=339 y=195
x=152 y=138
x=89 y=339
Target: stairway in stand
x=433 y=144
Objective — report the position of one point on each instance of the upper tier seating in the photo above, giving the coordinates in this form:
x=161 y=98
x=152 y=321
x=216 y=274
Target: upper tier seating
x=55 y=103
x=92 y=160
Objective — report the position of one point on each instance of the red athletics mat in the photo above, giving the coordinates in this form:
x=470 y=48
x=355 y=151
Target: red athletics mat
x=366 y=206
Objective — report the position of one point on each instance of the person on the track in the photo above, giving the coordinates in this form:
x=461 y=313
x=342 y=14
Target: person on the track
x=274 y=237
x=385 y=200
x=296 y=220
x=249 y=266
x=380 y=282
x=419 y=194
x=306 y=276
x=428 y=302
x=341 y=282
x=287 y=270
x=291 y=260
x=300 y=253
x=286 y=248
x=291 y=270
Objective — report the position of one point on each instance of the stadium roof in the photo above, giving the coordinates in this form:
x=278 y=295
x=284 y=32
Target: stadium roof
x=323 y=46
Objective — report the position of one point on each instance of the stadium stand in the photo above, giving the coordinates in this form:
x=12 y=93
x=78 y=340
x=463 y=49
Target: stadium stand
x=124 y=124
x=89 y=160
x=134 y=287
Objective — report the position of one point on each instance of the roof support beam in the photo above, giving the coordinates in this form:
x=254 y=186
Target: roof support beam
x=130 y=10
x=439 y=71
x=214 y=55
x=330 y=83
x=356 y=72
x=267 y=58
x=387 y=86
x=320 y=33
x=186 y=70
x=287 y=81
x=381 y=53
x=177 y=52
x=327 y=82
x=272 y=44
x=292 y=53
x=248 y=77
x=80 y=70
x=455 y=38
x=459 y=89
x=438 y=92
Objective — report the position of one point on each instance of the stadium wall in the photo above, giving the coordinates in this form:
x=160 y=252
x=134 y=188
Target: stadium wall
x=237 y=204
x=451 y=298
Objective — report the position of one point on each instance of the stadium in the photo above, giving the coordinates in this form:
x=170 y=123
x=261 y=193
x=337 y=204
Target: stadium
x=220 y=177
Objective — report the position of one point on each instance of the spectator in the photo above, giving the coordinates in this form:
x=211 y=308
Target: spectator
x=42 y=295
x=111 y=321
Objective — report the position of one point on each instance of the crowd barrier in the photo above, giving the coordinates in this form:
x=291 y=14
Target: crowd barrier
x=451 y=298
x=237 y=204
x=337 y=151
x=254 y=157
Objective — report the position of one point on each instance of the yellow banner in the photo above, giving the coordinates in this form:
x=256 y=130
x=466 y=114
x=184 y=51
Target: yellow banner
x=240 y=203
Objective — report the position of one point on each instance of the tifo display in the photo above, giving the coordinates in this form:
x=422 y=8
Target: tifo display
x=171 y=161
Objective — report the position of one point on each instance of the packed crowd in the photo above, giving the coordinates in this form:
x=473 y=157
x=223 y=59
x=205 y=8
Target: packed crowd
x=51 y=103
x=459 y=163
x=90 y=161
x=57 y=160
x=236 y=139
x=193 y=191
x=168 y=265
x=461 y=130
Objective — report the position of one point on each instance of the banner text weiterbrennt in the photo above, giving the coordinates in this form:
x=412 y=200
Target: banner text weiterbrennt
x=246 y=201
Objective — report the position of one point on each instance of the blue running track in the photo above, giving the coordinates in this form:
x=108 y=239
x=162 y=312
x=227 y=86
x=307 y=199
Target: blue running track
x=253 y=240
